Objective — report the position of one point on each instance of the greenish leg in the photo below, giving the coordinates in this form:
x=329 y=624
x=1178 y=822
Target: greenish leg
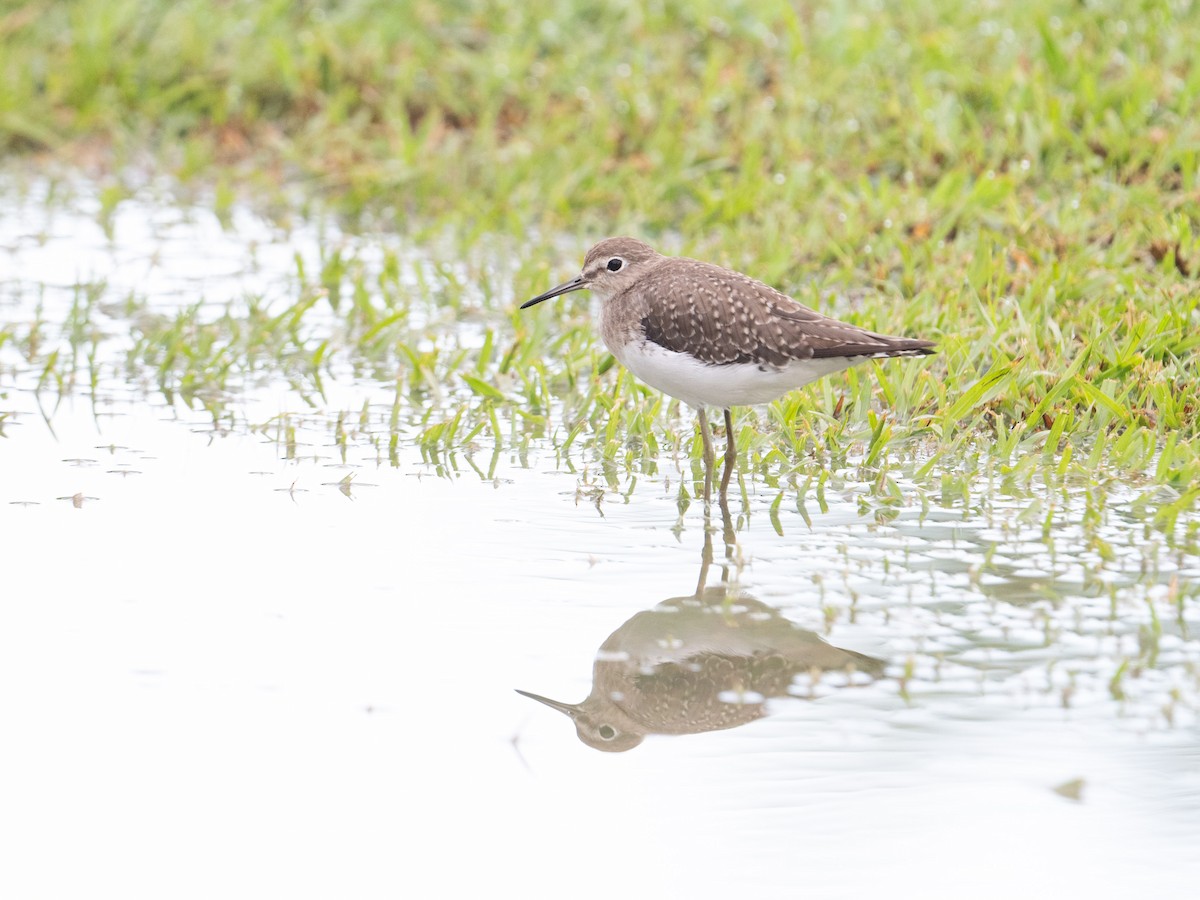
x=730 y=454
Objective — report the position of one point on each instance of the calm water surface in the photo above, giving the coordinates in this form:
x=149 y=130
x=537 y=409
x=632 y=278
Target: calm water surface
x=227 y=671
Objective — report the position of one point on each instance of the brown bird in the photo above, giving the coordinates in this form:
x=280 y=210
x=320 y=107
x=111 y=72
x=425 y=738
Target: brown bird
x=713 y=337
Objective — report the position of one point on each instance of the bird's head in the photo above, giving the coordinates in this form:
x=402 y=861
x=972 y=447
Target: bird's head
x=609 y=268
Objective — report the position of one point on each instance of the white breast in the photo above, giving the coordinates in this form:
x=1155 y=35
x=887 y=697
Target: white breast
x=734 y=384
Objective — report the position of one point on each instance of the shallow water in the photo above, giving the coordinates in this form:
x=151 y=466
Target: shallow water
x=229 y=671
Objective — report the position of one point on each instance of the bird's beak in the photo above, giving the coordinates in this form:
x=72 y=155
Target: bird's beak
x=575 y=284
x=569 y=709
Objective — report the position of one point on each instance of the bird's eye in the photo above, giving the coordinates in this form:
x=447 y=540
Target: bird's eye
x=607 y=731
x=614 y=264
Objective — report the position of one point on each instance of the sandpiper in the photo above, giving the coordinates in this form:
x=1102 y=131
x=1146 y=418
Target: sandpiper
x=713 y=337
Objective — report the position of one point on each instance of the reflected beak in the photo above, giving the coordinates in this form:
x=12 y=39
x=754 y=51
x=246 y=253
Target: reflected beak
x=569 y=709
x=575 y=284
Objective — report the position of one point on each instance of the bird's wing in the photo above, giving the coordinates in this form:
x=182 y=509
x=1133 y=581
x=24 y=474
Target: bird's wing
x=720 y=316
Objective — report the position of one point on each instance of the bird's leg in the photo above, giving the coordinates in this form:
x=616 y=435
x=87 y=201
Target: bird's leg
x=727 y=532
x=730 y=453
x=709 y=459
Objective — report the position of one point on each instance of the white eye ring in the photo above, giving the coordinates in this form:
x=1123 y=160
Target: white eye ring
x=614 y=264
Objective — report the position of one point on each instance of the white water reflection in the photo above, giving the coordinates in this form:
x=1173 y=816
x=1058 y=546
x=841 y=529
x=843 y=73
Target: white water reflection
x=223 y=667
x=172 y=253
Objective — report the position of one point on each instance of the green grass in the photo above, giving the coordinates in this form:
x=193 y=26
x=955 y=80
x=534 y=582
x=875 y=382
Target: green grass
x=1020 y=181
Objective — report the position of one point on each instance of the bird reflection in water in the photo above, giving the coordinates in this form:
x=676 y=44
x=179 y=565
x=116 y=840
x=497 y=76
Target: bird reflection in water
x=704 y=662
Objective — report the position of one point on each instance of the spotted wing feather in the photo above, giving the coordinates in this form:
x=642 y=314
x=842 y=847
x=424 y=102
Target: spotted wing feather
x=720 y=317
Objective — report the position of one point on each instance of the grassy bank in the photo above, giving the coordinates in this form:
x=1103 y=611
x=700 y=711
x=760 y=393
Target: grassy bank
x=1020 y=181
